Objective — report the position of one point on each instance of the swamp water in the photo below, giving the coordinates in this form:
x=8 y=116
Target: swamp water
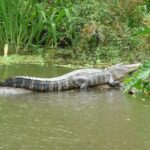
x=71 y=120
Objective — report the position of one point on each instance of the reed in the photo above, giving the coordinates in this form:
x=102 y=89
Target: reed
x=26 y=23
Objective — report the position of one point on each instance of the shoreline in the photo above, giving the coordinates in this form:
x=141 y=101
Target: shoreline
x=39 y=60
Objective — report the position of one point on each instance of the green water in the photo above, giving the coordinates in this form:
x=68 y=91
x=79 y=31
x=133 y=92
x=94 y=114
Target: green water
x=71 y=120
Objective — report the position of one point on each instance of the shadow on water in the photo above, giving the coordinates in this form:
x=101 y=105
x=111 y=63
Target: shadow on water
x=72 y=120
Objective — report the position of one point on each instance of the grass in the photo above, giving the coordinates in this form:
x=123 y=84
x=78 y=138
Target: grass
x=29 y=23
x=38 y=59
x=21 y=59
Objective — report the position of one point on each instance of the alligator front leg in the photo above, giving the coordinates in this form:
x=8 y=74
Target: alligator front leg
x=81 y=82
x=113 y=83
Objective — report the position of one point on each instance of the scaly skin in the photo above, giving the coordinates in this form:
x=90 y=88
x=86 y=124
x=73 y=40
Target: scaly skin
x=82 y=78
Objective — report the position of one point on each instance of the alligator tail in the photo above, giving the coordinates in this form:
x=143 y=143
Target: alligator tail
x=10 y=82
x=27 y=83
x=34 y=84
x=1 y=83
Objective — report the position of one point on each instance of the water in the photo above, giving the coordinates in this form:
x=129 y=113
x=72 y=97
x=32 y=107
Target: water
x=71 y=120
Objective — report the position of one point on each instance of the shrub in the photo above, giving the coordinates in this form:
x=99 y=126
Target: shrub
x=141 y=79
x=115 y=23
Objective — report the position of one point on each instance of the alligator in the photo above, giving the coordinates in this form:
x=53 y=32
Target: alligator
x=78 y=79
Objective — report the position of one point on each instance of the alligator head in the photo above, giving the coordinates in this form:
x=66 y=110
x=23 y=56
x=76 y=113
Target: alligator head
x=119 y=71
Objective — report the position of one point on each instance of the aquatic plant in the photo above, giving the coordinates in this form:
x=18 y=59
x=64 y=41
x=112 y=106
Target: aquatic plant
x=140 y=80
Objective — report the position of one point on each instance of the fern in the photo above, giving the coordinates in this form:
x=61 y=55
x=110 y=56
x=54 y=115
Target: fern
x=140 y=79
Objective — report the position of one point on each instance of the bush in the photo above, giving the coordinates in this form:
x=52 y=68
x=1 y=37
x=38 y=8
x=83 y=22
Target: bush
x=114 y=23
x=141 y=79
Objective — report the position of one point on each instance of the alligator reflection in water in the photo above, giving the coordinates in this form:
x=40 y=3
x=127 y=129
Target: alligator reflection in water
x=13 y=91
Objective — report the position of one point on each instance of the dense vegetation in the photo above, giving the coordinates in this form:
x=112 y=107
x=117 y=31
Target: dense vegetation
x=140 y=81
x=95 y=30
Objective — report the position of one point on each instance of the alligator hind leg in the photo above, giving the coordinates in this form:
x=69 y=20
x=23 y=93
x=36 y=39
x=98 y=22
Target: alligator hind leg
x=113 y=83
x=81 y=82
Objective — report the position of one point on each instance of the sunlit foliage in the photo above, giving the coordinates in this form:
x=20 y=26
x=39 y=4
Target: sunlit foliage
x=140 y=81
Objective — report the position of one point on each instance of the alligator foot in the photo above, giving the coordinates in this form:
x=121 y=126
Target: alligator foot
x=114 y=83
